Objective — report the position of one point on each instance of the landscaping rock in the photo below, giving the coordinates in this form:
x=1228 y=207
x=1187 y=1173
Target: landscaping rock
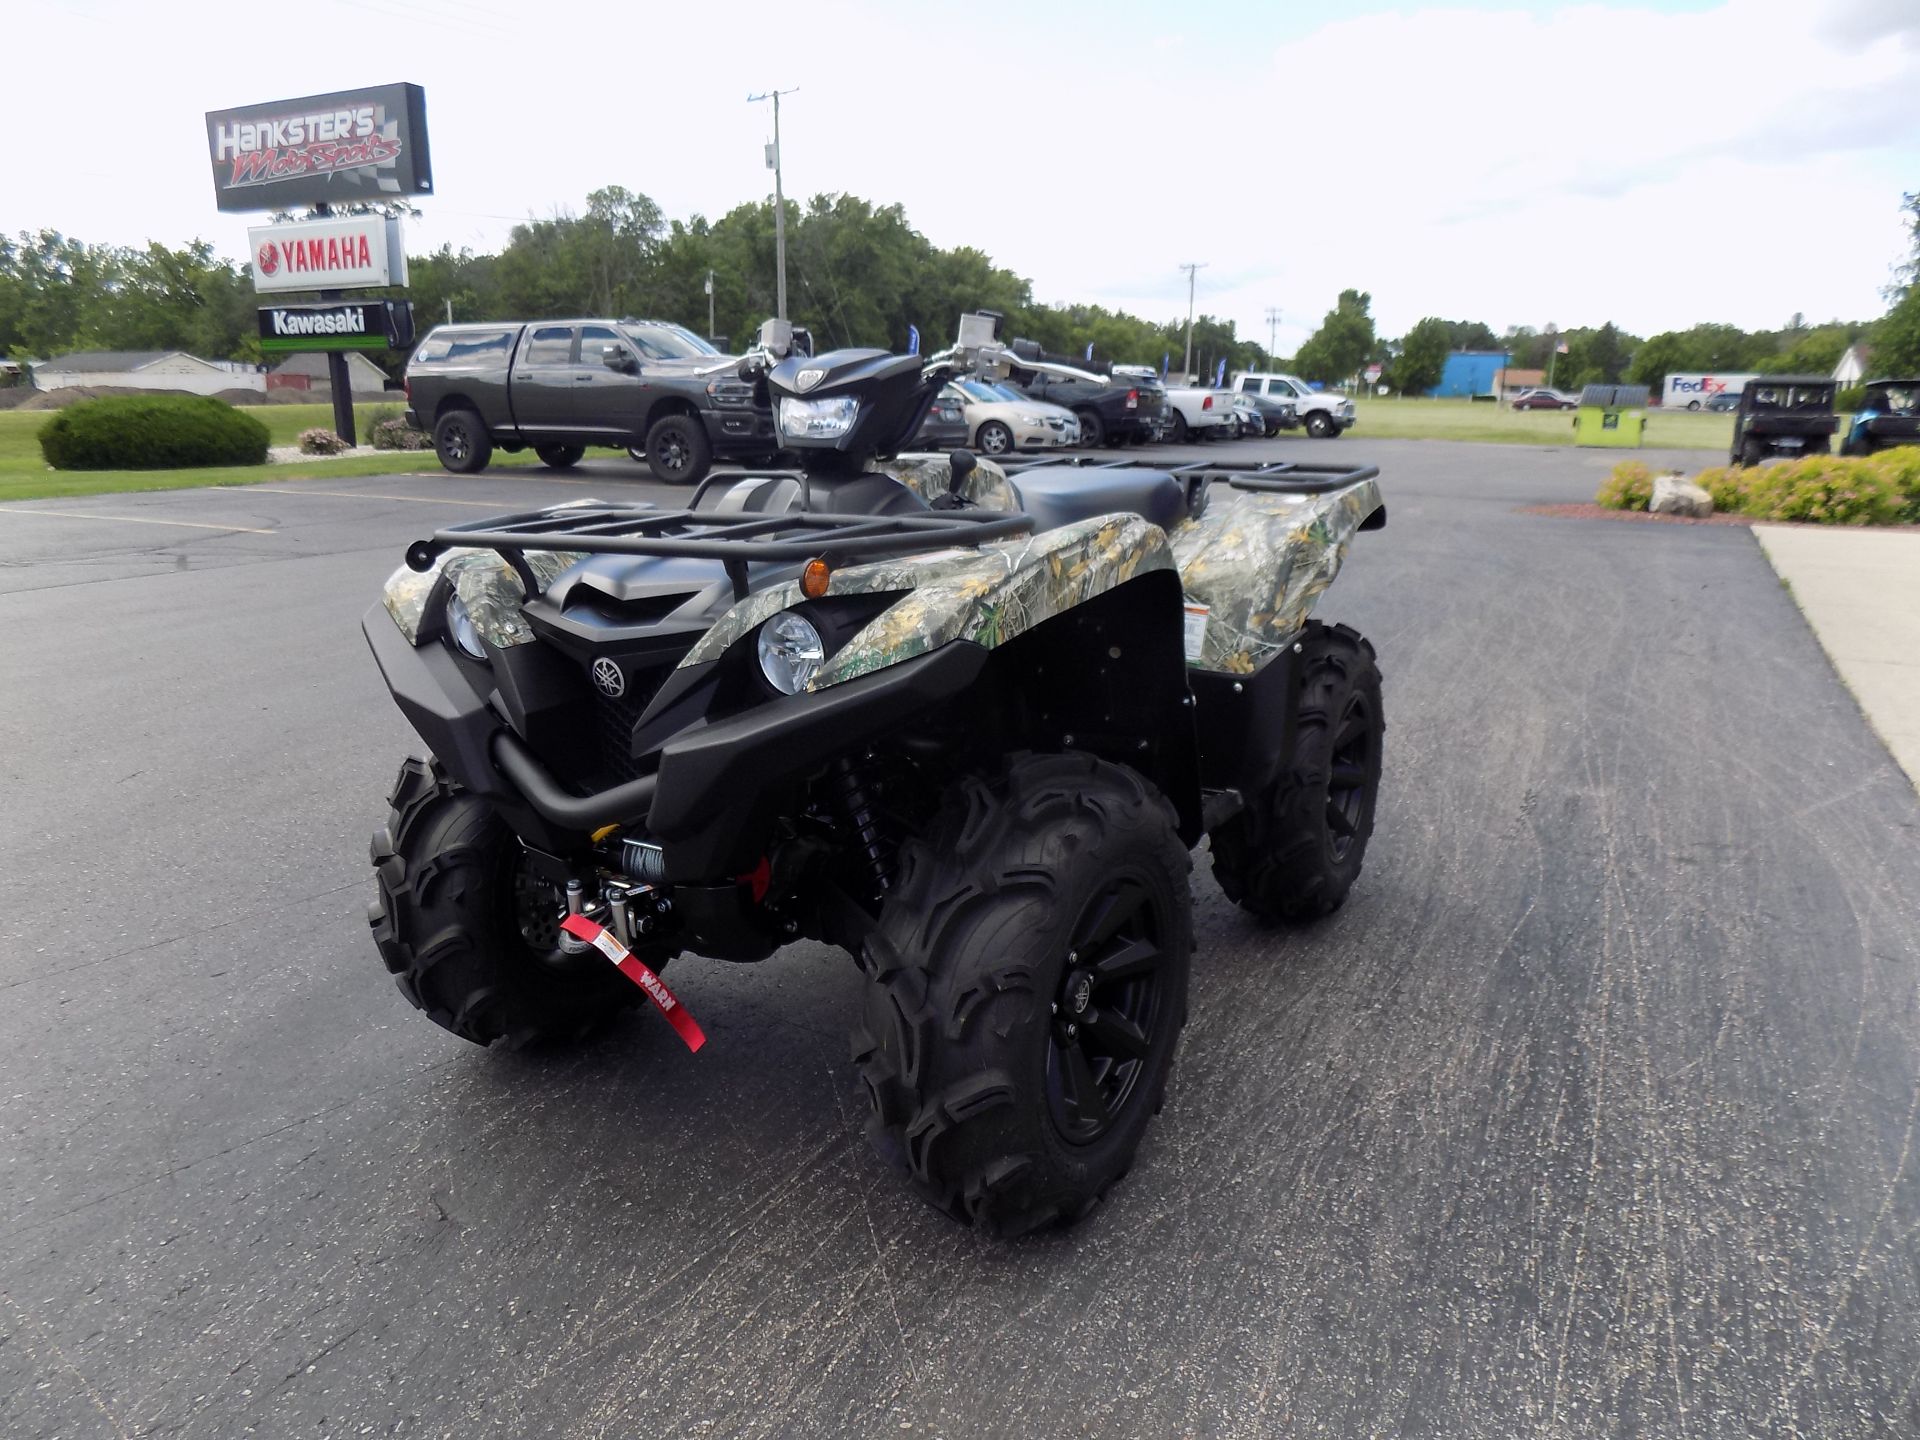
x=1674 y=494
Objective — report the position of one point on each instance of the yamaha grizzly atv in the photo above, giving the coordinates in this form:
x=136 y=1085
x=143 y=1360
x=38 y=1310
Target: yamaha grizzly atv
x=964 y=720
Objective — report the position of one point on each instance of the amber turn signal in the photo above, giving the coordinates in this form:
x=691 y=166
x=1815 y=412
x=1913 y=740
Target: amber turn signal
x=813 y=579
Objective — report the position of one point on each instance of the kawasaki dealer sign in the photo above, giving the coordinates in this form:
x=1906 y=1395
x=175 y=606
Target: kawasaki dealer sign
x=343 y=325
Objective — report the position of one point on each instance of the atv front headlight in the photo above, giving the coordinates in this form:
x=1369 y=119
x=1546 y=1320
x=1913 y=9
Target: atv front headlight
x=826 y=419
x=790 y=651
x=465 y=633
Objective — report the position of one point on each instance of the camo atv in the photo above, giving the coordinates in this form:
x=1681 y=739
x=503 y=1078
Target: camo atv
x=964 y=720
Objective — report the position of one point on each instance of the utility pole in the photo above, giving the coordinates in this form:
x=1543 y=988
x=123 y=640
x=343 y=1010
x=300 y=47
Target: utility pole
x=1191 y=267
x=709 y=304
x=779 y=202
x=1273 y=334
x=1553 y=351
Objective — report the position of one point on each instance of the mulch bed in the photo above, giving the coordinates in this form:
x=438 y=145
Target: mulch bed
x=1600 y=512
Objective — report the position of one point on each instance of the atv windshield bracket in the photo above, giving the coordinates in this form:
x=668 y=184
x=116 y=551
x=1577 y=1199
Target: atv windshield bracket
x=736 y=541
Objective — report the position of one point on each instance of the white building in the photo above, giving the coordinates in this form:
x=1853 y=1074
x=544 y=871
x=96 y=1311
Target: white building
x=1852 y=366
x=146 y=370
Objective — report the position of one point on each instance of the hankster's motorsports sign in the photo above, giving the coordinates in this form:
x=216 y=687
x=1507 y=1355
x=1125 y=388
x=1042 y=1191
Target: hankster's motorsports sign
x=352 y=145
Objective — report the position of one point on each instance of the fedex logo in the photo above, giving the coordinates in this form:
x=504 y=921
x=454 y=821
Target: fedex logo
x=1705 y=385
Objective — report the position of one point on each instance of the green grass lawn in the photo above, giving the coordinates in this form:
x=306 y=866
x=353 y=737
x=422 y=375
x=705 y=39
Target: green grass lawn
x=24 y=474
x=1395 y=418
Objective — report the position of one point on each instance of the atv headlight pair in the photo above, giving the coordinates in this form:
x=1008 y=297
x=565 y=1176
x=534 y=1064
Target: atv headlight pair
x=825 y=419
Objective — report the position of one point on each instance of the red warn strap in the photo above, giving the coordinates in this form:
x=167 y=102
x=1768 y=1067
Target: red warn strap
x=630 y=966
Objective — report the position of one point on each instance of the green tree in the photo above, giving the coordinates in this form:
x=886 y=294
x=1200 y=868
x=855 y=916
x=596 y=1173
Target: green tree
x=1423 y=355
x=1341 y=345
x=1896 y=339
x=1658 y=357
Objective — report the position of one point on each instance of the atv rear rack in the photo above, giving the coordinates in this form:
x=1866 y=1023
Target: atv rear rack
x=736 y=541
x=1278 y=476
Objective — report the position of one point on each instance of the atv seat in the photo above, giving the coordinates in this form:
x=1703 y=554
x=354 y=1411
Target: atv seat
x=1059 y=495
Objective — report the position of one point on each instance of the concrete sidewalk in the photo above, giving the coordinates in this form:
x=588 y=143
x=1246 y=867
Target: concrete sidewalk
x=1860 y=591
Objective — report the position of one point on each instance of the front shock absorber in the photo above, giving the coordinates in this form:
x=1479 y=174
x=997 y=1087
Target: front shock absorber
x=856 y=805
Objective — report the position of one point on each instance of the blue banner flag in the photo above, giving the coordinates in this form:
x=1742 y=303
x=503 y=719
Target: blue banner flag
x=913 y=339
x=1166 y=358
x=1089 y=349
x=1220 y=373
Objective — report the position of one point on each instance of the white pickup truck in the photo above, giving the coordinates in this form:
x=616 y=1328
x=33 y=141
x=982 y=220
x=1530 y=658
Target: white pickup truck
x=1325 y=413
x=1198 y=413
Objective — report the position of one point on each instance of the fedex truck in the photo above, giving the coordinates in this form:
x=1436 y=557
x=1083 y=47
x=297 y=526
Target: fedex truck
x=1692 y=390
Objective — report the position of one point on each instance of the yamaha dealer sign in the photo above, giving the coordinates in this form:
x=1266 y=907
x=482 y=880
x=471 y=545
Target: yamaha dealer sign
x=352 y=253
x=343 y=325
x=351 y=145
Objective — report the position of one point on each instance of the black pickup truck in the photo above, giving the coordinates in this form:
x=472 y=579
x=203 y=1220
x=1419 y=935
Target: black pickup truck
x=1113 y=409
x=558 y=386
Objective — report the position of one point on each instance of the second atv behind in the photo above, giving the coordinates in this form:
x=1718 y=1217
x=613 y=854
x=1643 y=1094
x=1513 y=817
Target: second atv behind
x=965 y=721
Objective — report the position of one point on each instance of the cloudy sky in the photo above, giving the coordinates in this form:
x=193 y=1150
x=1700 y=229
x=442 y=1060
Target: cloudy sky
x=1654 y=163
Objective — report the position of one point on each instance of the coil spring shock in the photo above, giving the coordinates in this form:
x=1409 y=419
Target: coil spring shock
x=858 y=809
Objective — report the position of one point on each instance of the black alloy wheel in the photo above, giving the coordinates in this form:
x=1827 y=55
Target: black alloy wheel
x=1109 y=1014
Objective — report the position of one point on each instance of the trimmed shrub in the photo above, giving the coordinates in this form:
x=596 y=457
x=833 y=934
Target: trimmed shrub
x=1901 y=467
x=1630 y=487
x=396 y=434
x=152 y=432
x=321 y=441
x=1727 y=485
x=1824 y=490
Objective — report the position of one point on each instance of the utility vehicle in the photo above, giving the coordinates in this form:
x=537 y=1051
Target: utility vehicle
x=1783 y=415
x=965 y=720
x=1889 y=414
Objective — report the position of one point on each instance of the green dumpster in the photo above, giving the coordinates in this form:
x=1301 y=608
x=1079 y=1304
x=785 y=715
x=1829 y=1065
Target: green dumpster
x=1611 y=415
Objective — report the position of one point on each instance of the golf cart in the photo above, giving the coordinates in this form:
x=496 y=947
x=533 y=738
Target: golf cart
x=1888 y=415
x=1789 y=415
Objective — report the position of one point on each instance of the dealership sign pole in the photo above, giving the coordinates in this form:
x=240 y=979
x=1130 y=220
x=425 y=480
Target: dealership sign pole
x=354 y=149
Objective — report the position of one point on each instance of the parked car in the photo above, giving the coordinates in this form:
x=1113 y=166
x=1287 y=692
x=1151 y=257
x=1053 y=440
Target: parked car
x=1889 y=414
x=1541 y=398
x=1112 y=409
x=1325 y=413
x=1275 y=414
x=945 y=427
x=1248 y=421
x=1002 y=420
x=1722 y=401
x=1783 y=415
x=558 y=386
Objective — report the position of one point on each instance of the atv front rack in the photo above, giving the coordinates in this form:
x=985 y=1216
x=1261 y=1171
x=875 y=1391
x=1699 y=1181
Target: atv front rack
x=736 y=541
x=1278 y=476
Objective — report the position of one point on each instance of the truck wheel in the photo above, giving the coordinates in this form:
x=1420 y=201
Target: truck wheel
x=469 y=932
x=560 y=457
x=1093 y=432
x=1026 y=986
x=1320 y=425
x=460 y=440
x=1296 y=849
x=678 y=451
x=1179 y=436
x=1693 y=405
x=994 y=439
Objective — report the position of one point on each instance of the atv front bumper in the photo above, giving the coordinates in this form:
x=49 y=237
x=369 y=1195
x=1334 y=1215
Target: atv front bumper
x=719 y=785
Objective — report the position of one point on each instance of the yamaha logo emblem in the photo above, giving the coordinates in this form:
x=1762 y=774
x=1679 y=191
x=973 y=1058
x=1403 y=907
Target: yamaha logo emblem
x=269 y=258
x=807 y=379
x=607 y=675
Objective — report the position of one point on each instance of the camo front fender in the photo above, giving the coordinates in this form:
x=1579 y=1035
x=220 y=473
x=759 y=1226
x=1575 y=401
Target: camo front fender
x=987 y=595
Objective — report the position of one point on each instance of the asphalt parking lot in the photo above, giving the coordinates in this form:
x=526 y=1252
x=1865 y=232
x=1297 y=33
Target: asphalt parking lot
x=1592 y=1114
